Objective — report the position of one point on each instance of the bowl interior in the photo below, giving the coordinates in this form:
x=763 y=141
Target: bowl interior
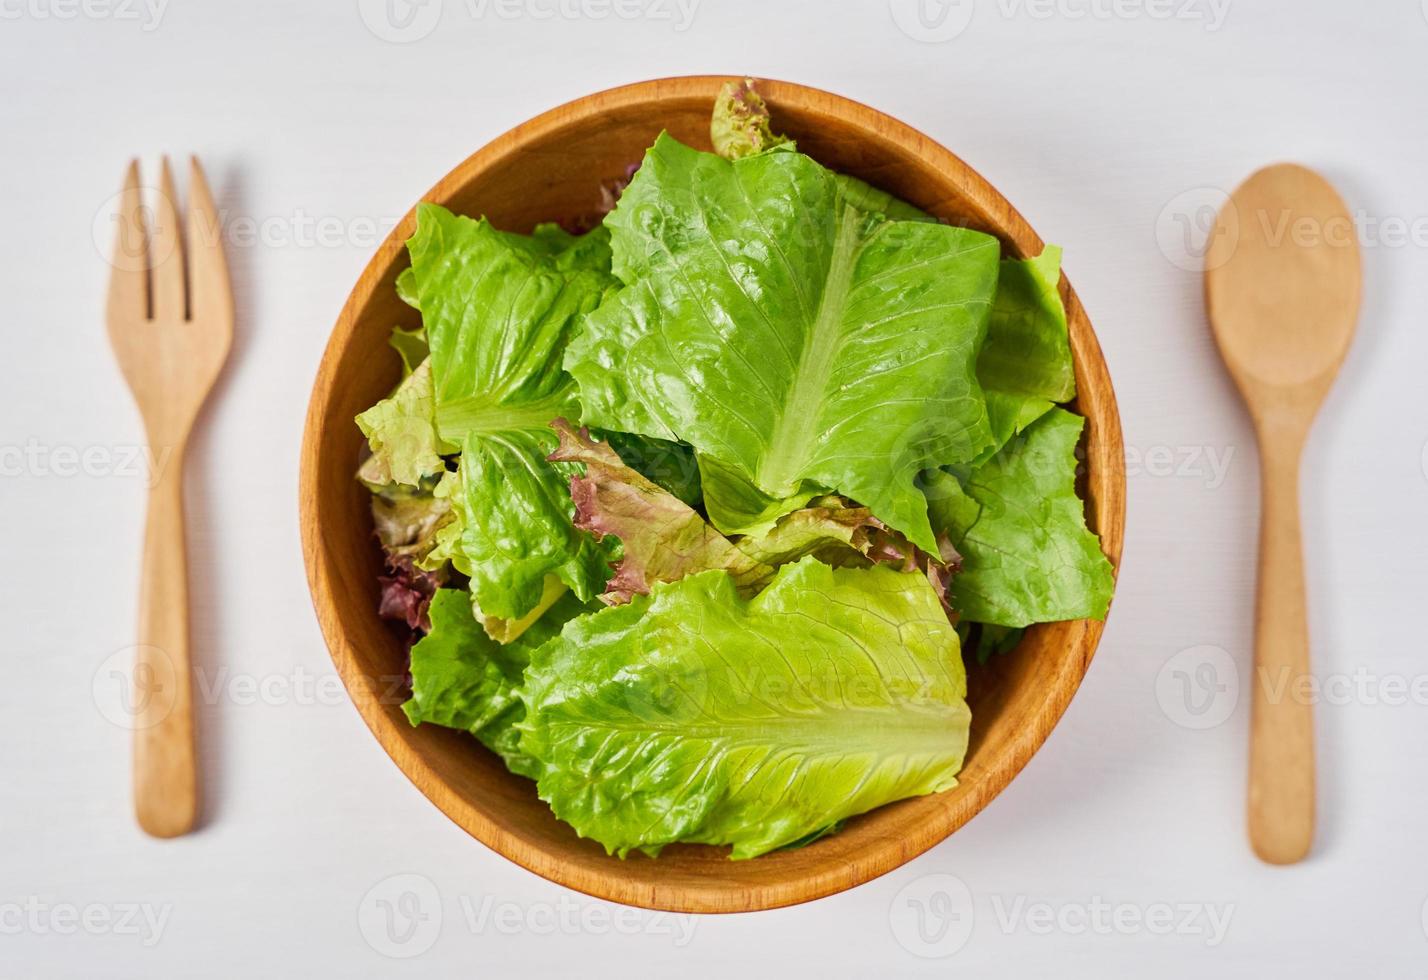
x=552 y=168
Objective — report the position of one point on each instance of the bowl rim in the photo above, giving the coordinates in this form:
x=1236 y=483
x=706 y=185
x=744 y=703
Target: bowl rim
x=1106 y=470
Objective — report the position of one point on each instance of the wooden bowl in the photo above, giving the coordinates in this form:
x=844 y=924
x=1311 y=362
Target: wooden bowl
x=551 y=168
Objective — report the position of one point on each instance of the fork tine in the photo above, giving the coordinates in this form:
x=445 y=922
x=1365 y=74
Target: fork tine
x=167 y=251
x=209 y=292
x=129 y=275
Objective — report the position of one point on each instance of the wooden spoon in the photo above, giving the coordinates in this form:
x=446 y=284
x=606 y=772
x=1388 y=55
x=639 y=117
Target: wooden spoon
x=1282 y=291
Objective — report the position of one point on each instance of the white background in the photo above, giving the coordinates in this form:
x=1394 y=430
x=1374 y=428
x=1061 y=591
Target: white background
x=1109 y=124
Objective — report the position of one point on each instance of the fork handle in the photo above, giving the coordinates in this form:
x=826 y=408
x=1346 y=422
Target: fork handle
x=1281 y=785
x=165 y=771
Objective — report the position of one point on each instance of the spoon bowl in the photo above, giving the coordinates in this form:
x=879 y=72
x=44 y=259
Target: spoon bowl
x=1282 y=285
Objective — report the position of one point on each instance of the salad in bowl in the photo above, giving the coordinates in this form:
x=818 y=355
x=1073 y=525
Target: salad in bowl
x=694 y=517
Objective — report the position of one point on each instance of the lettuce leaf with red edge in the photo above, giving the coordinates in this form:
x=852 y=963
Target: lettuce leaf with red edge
x=663 y=539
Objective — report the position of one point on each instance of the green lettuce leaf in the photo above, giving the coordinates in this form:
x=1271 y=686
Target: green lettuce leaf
x=406 y=449
x=1027 y=556
x=410 y=346
x=789 y=335
x=1008 y=415
x=406 y=288
x=498 y=310
x=1025 y=363
x=513 y=535
x=696 y=715
x=736 y=506
x=461 y=678
x=866 y=197
x=1028 y=350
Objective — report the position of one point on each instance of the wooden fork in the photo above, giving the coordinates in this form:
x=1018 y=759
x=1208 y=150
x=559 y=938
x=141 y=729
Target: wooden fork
x=171 y=324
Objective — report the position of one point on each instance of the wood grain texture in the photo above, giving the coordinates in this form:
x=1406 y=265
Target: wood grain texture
x=551 y=168
x=170 y=320
x=1282 y=290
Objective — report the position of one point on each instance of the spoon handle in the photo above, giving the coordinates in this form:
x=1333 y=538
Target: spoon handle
x=1281 y=771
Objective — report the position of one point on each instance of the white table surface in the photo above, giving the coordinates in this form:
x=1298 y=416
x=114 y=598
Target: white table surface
x=1109 y=123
